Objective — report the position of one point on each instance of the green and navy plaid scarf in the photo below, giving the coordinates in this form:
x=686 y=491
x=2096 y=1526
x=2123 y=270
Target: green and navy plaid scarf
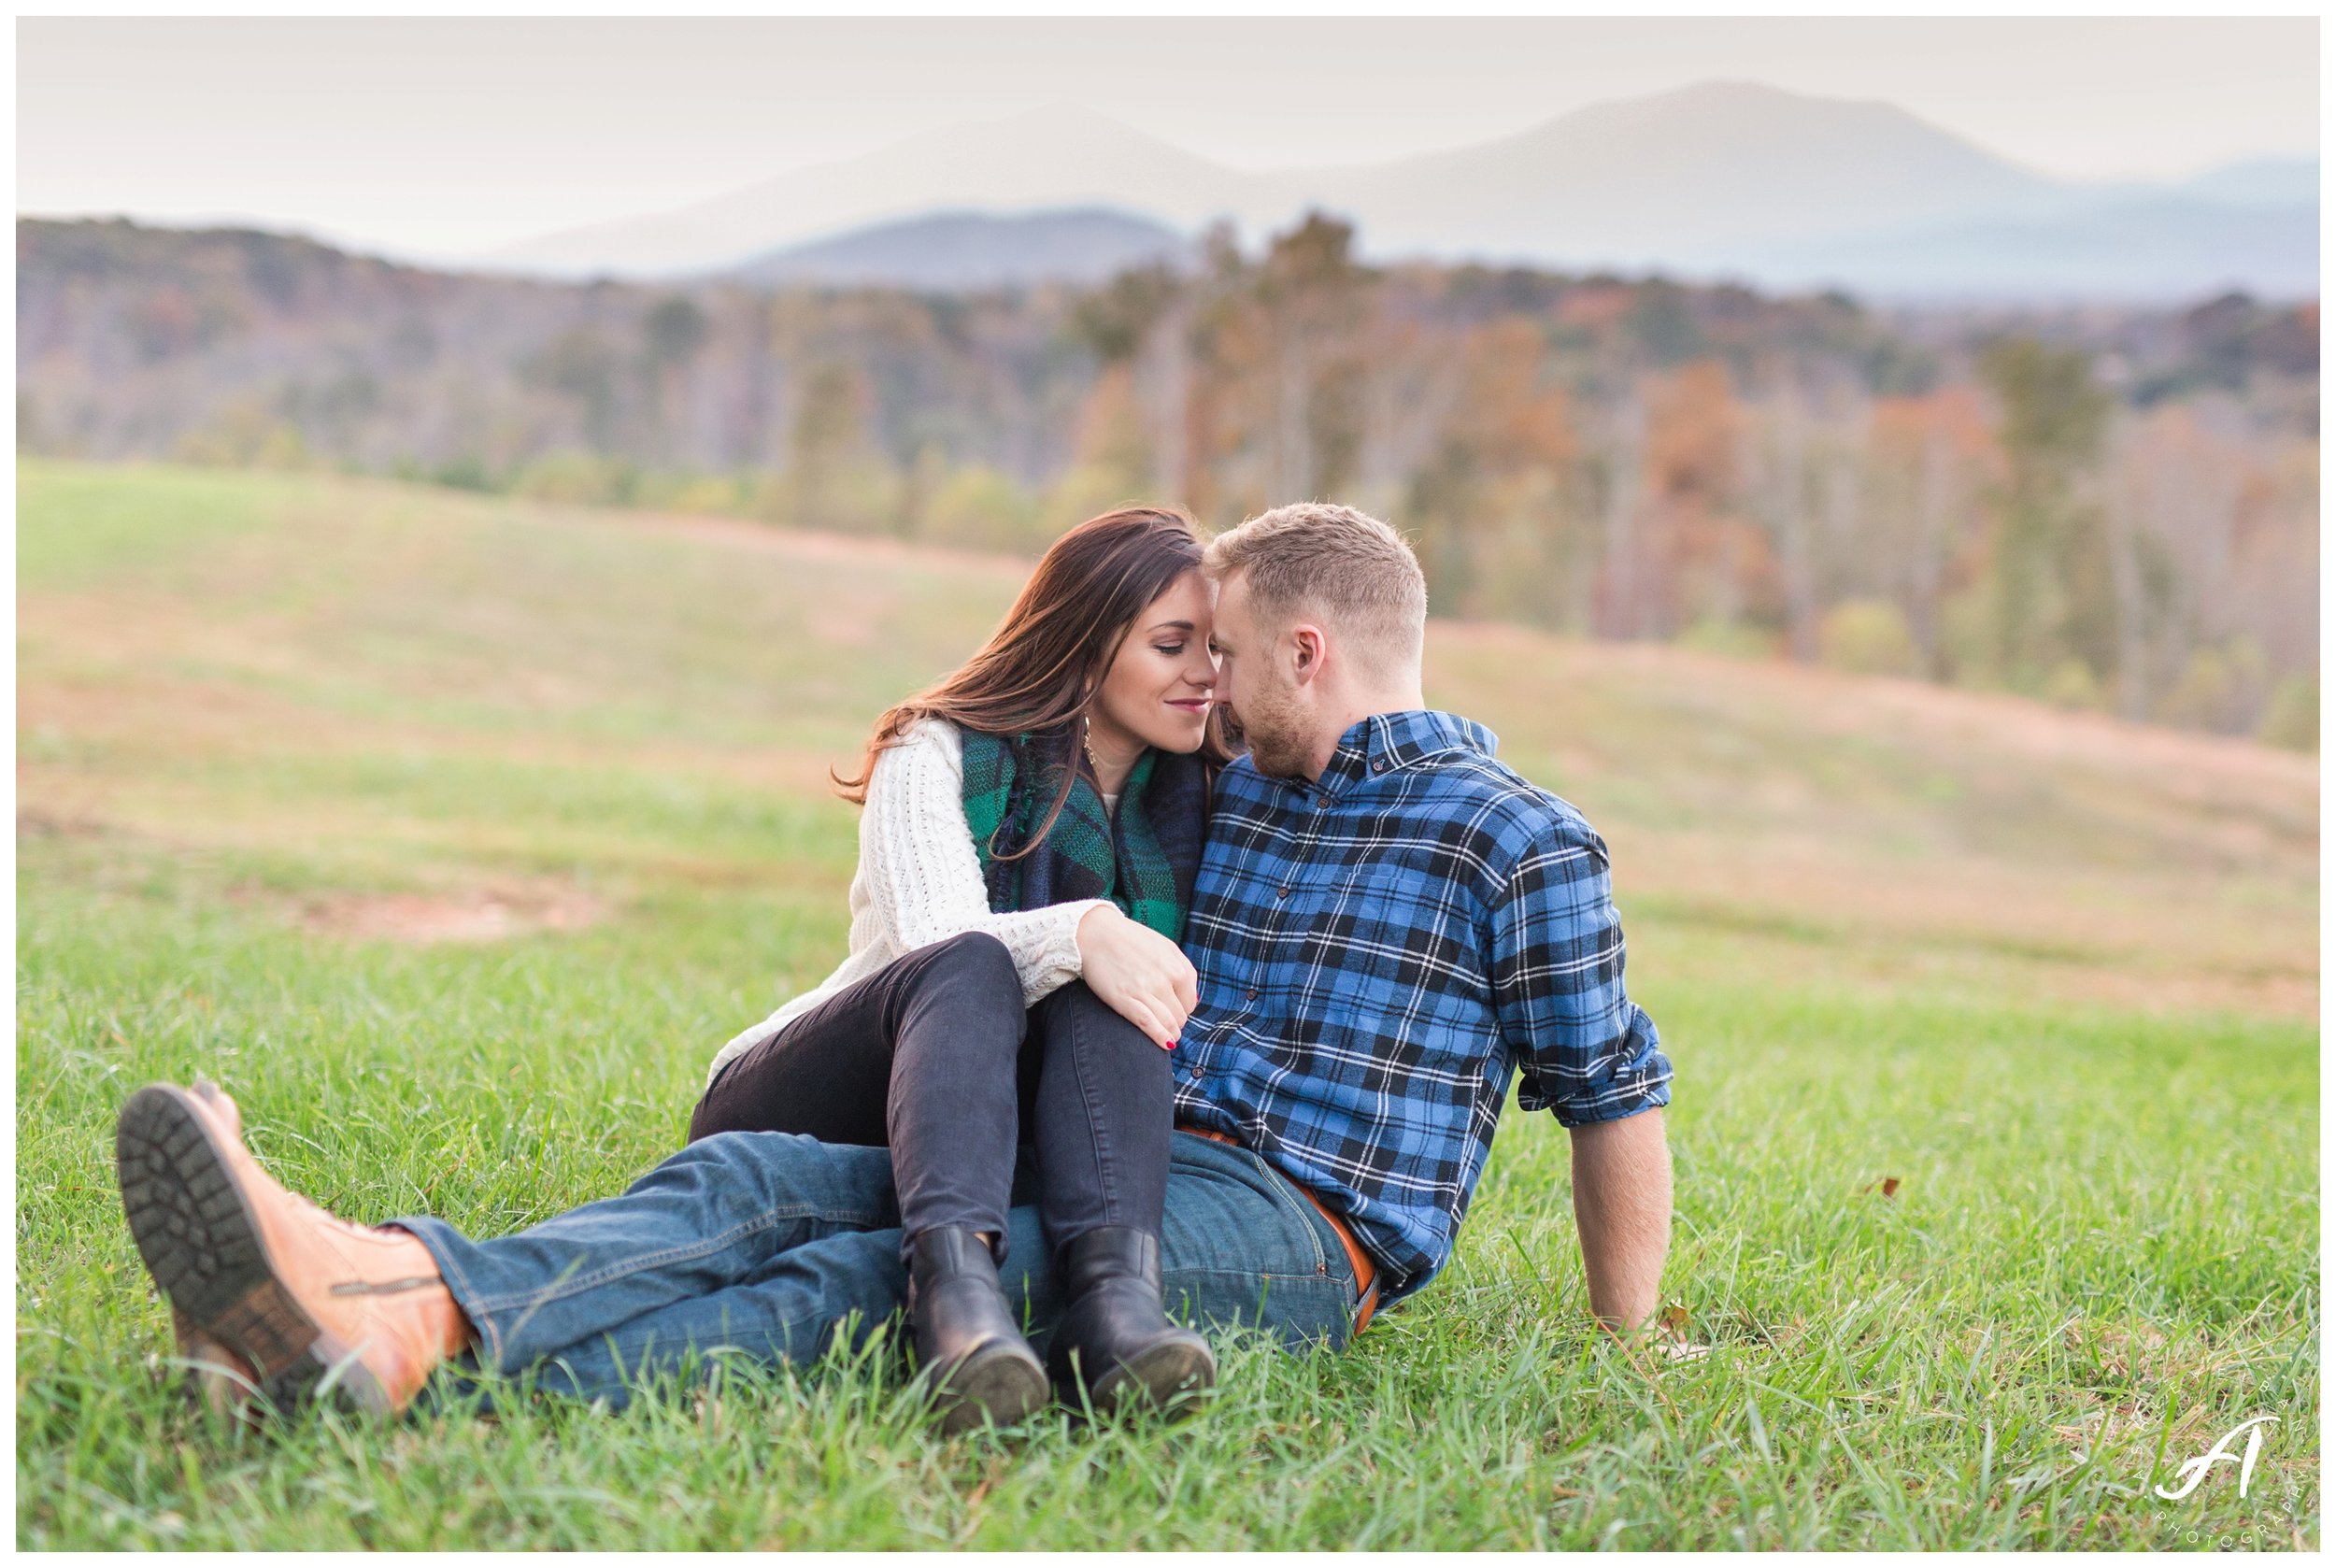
x=1144 y=863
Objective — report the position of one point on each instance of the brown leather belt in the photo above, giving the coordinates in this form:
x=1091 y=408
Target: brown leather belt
x=1366 y=1275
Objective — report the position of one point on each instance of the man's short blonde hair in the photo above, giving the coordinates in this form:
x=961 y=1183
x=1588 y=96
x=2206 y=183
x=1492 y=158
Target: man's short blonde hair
x=1345 y=566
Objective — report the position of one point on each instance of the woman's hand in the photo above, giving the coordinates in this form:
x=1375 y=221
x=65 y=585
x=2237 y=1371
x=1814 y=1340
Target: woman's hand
x=1137 y=973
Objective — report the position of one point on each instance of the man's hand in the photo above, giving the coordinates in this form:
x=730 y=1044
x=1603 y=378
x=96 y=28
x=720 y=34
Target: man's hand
x=1622 y=1212
x=1137 y=973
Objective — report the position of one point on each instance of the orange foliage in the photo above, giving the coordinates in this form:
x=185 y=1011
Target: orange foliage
x=1704 y=557
x=1513 y=422
x=1692 y=428
x=1902 y=425
x=1599 y=306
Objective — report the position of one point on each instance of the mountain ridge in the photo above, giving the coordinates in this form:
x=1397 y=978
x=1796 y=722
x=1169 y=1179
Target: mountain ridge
x=1716 y=179
x=1023 y=161
x=965 y=250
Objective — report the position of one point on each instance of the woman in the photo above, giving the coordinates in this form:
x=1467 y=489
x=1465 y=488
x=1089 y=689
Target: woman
x=1031 y=833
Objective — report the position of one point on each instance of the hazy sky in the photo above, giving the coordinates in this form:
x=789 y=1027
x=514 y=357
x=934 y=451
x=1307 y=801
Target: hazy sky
x=444 y=137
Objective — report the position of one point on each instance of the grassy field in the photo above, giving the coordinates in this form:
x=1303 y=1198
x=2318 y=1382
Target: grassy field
x=453 y=836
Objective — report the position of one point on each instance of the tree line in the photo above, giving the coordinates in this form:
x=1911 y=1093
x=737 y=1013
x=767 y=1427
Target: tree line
x=2106 y=508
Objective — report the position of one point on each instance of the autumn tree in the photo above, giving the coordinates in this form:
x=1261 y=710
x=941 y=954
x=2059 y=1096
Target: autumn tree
x=1315 y=302
x=829 y=434
x=1922 y=542
x=1699 y=553
x=1492 y=505
x=672 y=333
x=1131 y=426
x=2054 y=605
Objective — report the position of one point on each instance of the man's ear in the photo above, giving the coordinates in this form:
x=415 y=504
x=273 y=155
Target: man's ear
x=1312 y=646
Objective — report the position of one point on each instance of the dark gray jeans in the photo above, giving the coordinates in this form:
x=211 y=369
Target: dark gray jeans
x=771 y=1246
x=934 y=1057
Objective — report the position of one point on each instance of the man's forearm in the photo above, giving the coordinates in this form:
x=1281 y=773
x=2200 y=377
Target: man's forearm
x=1623 y=1211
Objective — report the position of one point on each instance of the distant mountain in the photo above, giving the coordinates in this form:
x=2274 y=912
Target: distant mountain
x=1053 y=158
x=1623 y=183
x=1700 y=172
x=954 y=252
x=1719 y=179
x=2261 y=182
x=2138 y=250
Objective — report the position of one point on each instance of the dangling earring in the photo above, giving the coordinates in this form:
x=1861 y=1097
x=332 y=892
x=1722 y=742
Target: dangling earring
x=1086 y=743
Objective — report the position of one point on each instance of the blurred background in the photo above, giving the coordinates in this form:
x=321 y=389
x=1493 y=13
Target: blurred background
x=1981 y=352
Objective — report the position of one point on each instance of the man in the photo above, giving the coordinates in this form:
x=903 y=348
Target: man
x=1389 y=924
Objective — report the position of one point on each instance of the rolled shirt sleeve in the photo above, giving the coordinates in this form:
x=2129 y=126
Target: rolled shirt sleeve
x=1583 y=1049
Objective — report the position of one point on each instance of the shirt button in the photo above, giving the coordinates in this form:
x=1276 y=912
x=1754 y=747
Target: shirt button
x=1284 y=894
x=1379 y=766
x=1249 y=995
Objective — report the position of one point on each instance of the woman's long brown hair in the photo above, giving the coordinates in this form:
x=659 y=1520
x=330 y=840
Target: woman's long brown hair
x=1038 y=669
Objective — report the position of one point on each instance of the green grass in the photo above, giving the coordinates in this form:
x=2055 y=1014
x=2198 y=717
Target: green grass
x=250 y=706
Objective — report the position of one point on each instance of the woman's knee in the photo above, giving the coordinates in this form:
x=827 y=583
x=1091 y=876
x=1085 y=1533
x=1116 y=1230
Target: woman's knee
x=977 y=956
x=962 y=1003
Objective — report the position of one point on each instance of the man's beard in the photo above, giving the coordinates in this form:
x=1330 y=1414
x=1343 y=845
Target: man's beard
x=1275 y=728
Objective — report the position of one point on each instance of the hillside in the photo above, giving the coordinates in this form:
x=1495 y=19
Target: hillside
x=426 y=694
x=451 y=835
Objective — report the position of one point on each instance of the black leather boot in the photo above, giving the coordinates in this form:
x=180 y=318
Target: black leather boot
x=972 y=1353
x=1114 y=1336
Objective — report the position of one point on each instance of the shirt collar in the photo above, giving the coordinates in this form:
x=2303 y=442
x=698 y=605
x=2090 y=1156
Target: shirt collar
x=1383 y=741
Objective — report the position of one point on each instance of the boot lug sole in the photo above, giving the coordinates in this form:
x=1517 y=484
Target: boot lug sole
x=999 y=1383
x=199 y=1234
x=1157 y=1377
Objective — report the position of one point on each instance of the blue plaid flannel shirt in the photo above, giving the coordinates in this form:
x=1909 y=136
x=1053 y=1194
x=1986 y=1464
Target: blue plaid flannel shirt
x=1378 y=952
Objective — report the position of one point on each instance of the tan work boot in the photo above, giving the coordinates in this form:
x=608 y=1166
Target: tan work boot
x=314 y=1305
x=226 y=1382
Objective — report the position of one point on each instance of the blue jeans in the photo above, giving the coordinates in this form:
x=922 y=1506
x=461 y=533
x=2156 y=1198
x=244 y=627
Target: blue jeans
x=772 y=1247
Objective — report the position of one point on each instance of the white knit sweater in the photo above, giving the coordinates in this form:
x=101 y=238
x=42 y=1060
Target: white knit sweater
x=919 y=880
